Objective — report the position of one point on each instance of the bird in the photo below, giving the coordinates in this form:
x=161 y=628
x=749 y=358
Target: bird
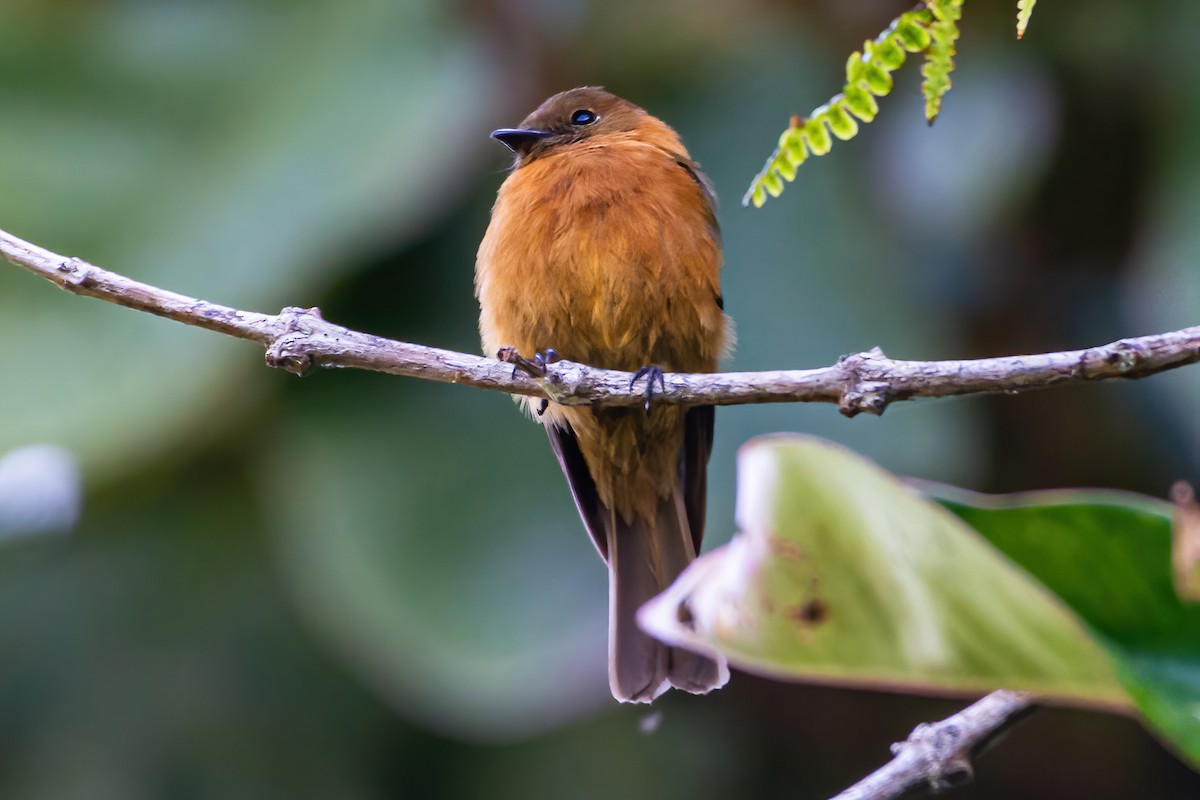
x=603 y=248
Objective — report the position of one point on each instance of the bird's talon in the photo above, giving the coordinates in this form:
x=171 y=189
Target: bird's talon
x=651 y=373
x=535 y=368
x=544 y=358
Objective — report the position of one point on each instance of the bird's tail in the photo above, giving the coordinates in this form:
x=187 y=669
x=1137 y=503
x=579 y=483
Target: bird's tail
x=644 y=557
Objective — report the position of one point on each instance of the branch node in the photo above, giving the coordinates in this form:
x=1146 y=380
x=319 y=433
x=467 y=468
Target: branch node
x=76 y=272
x=939 y=753
x=294 y=316
x=868 y=397
x=859 y=394
x=1126 y=356
x=860 y=358
x=1078 y=370
x=940 y=747
x=292 y=350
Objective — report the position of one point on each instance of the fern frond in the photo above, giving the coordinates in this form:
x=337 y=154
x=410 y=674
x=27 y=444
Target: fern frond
x=1024 y=12
x=939 y=58
x=868 y=75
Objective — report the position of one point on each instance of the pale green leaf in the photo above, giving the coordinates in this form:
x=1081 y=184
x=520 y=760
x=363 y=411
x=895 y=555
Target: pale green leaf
x=1108 y=556
x=841 y=573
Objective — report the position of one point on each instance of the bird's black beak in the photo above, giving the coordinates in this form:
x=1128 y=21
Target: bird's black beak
x=519 y=139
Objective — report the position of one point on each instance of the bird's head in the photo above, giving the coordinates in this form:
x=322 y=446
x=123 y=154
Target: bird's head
x=570 y=118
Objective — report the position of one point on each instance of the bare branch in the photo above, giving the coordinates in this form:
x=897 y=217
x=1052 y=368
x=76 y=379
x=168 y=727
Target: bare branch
x=939 y=753
x=299 y=341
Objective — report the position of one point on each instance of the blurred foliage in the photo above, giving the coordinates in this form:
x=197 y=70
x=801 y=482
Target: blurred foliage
x=143 y=657
x=41 y=491
x=427 y=611
x=226 y=131
x=358 y=586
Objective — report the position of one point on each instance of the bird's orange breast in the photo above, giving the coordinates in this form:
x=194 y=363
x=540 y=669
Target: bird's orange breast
x=606 y=252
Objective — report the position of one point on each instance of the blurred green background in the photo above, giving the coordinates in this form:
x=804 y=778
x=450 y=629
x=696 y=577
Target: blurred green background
x=357 y=586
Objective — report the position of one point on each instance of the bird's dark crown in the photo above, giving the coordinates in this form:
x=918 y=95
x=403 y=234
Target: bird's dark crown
x=569 y=117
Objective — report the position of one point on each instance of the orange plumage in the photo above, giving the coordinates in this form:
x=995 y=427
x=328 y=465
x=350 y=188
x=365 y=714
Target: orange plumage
x=604 y=247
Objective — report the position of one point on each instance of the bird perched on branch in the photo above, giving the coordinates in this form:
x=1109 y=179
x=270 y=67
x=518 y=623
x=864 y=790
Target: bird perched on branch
x=603 y=248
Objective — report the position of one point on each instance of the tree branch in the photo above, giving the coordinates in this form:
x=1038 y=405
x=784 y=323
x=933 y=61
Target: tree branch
x=939 y=753
x=299 y=341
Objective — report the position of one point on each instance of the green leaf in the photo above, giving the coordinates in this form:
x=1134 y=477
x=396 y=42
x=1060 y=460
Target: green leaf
x=842 y=573
x=1024 y=12
x=868 y=74
x=1108 y=556
x=773 y=183
x=861 y=103
x=840 y=122
x=877 y=78
x=786 y=169
x=795 y=151
x=939 y=58
x=888 y=51
x=911 y=34
x=817 y=136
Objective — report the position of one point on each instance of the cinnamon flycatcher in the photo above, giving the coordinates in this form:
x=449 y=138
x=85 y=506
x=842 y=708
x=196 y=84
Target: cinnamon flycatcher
x=603 y=248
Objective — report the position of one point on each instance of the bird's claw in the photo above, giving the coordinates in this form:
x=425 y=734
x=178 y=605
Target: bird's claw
x=535 y=367
x=544 y=358
x=652 y=374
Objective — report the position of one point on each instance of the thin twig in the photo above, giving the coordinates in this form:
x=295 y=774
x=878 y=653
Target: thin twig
x=299 y=341
x=939 y=753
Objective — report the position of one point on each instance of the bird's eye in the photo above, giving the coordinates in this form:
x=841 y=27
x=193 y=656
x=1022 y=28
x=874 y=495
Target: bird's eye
x=583 y=117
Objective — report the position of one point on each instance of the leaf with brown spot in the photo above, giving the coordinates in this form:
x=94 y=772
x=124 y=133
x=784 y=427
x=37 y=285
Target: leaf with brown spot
x=922 y=602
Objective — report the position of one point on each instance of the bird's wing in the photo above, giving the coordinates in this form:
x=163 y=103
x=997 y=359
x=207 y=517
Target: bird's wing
x=693 y=467
x=583 y=488
x=706 y=189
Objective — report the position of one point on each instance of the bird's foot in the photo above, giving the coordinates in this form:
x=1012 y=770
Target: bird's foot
x=536 y=367
x=653 y=374
x=544 y=358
